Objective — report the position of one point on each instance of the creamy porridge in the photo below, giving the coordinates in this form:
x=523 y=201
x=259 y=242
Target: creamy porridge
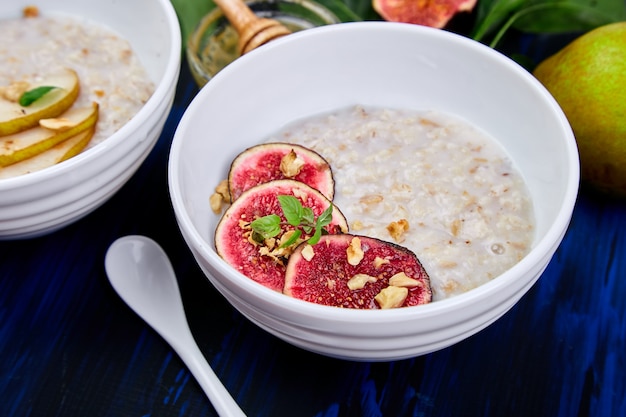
x=109 y=71
x=429 y=182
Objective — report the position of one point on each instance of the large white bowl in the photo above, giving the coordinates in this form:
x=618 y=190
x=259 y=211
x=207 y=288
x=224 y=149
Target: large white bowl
x=44 y=201
x=379 y=64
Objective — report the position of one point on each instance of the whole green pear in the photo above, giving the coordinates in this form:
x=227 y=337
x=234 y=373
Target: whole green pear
x=588 y=80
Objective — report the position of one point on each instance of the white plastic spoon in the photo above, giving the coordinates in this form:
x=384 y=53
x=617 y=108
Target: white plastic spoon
x=142 y=275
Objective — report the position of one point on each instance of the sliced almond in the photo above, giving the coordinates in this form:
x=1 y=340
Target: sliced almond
x=57 y=124
x=14 y=91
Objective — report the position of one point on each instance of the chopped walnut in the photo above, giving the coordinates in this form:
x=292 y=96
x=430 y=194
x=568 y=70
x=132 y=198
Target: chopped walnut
x=58 y=124
x=378 y=262
x=307 y=252
x=222 y=189
x=391 y=297
x=14 y=91
x=30 y=11
x=358 y=281
x=221 y=196
x=354 y=252
x=291 y=164
x=216 y=203
x=398 y=229
x=403 y=280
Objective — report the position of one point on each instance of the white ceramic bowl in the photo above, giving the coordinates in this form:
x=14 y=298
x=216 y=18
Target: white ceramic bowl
x=378 y=64
x=44 y=201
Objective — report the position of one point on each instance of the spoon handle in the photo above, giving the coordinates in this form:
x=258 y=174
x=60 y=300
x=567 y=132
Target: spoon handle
x=192 y=356
x=238 y=14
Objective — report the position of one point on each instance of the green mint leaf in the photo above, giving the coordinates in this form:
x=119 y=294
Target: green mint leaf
x=266 y=226
x=292 y=239
x=325 y=218
x=316 y=236
x=308 y=217
x=30 y=96
x=292 y=209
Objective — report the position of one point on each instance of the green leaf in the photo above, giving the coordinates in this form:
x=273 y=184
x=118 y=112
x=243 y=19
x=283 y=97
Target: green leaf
x=266 y=226
x=560 y=16
x=350 y=10
x=491 y=14
x=30 y=96
x=189 y=13
x=292 y=209
x=308 y=217
x=496 y=17
x=325 y=218
x=317 y=235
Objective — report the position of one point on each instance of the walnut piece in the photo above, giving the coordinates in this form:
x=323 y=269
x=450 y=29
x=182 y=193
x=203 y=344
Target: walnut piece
x=378 y=262
x=308 y=252
x=291 y=164
x=398 y=229
x=220 y=197
x=358 y=281
x=216 y=203
x=403 y=280
x=391 y=297
x=354 y=252
x=222 y=189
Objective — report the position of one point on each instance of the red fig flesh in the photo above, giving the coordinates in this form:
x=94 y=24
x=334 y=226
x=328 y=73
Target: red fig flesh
x=265 y=261
x=357 y=272
x=275 y=161
x=433 y=13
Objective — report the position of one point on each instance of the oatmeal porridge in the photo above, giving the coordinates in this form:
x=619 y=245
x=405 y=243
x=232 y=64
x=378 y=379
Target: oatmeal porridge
x=109 y=71
x=430 y=182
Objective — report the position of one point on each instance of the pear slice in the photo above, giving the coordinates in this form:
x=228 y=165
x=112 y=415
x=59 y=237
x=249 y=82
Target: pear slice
x=28 y=143
x=58 y=153
x=15 y=118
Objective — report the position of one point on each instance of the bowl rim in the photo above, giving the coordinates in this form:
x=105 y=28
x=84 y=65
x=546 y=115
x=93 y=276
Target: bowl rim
x=161 y=92
x=545 y=246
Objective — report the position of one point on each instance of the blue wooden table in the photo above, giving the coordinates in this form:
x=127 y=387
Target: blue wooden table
x=70 y=347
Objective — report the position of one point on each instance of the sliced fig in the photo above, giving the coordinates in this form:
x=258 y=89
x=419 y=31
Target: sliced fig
x=275 y=161
x=435 y=13
x=357 y=272
x=265 y=261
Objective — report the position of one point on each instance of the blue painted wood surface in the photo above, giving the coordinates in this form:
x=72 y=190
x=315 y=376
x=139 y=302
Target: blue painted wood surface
x=70 y=347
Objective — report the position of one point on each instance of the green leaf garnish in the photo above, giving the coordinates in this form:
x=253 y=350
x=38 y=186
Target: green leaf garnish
x=292 y=209
x=266 y=226
x=301 y=218
x=30 y=96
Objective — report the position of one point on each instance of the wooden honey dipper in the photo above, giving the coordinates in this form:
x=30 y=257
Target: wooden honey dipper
x=253 y=31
